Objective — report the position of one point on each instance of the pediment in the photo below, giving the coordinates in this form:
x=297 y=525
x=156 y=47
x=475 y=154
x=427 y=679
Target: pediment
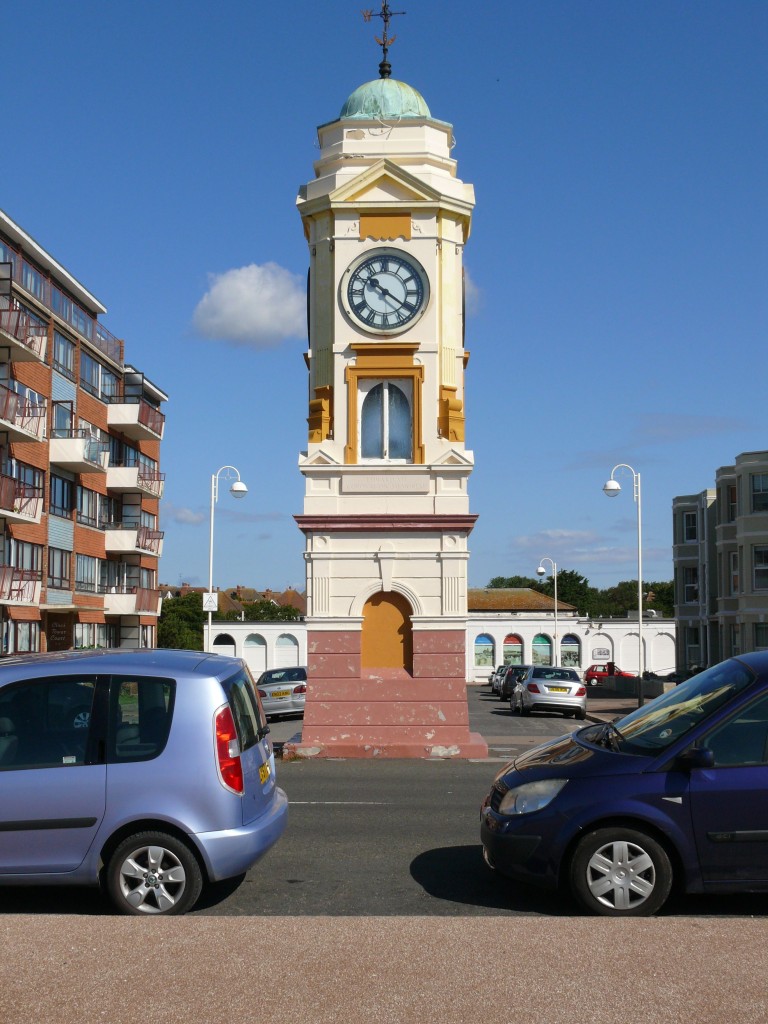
x=385 y=182
x=319 y=458
x=453 y=458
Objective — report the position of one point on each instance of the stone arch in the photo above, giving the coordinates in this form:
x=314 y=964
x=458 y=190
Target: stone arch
x=255 y=652
x=387 y=634
x=224 y=643
x=359 y=602
x=286 y=651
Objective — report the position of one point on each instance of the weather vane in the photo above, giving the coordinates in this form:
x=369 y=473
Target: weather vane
x=385 y=68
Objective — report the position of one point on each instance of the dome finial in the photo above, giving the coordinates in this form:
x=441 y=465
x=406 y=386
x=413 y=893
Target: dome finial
x=385 y=68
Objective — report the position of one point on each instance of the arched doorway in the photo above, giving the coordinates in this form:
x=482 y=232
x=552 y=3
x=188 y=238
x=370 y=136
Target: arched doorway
x=387 y=640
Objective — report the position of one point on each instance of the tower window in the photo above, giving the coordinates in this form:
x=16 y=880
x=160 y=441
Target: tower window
x=386 y=422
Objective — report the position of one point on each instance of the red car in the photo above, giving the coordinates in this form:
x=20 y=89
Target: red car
x=597 y=674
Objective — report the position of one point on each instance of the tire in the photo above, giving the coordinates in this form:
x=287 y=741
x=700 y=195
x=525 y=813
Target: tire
x=618 y=872
x=513 y=706
x=524 y=711
x=581 y=714
x=175 y=876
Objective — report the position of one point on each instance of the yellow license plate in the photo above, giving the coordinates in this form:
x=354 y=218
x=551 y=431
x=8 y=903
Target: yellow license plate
x=281 y=693
x=264 y=772
x=558 y=689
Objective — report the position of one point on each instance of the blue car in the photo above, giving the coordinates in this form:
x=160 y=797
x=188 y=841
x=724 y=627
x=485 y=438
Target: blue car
x=673 y=794
x=150 y=772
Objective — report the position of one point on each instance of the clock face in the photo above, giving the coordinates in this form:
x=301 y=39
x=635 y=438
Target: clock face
x=385 y=292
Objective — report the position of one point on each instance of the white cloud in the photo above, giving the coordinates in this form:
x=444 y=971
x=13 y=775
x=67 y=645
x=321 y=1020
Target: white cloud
x=178 y=514
x=260 y=306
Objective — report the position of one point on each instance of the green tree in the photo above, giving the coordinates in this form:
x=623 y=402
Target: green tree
x=261 y=611
x=181 y=623
x=504 y=582
x=572 y=588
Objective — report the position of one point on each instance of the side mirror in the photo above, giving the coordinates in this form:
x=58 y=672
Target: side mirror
x=695 y=757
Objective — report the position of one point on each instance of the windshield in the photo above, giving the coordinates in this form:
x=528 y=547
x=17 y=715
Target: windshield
x=660 y=723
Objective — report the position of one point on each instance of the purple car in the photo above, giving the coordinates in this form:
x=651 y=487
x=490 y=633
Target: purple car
x=148 y=771
x=675 y=793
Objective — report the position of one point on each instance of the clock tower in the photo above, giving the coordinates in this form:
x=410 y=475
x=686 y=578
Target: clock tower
x=386 y=513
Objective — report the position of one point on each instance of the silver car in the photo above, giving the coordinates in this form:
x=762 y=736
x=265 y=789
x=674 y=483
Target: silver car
x=547 y=688
x=150 y=772
x=283 y=691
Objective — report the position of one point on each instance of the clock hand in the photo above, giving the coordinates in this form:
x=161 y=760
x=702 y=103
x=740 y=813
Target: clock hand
x=382 y=289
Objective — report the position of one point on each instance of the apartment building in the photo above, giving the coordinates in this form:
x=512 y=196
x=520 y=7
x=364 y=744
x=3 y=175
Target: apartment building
x=80 y=483
x=721 y=564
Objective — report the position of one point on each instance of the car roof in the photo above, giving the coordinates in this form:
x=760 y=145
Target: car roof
x=119 y=660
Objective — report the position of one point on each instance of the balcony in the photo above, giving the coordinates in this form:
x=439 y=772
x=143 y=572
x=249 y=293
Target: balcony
x=77 y=451
x=135 y=418
x=19 y=502
x=20 y=418
x=128 y=538
x=28 y=340
x=19 y=586
x=125 y=600
x=125 y=479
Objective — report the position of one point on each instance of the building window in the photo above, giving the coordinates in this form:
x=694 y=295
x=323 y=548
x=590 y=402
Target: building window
x=760 y=563
x=759 y=485
x=735 y=638
x=20 y=554
x=86 y=573
x=733 y=563
x=690 y=585
x=542 y=650
x=570 y=651
x=512 y=650
x=692 y=646
x=761 y=635
x=24 y=473
x=386 y=424
x=690 y=527
x=484 y=651
x=62 y=419
x=59 y=568
x=96 y=378
x=60 y=498
x=146 y=636
x=96 y=634
x=22 y=637
x=732 y=503
x=64 y=355
x=87 y=506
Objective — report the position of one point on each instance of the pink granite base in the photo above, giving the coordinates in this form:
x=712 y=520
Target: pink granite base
x=386 y=713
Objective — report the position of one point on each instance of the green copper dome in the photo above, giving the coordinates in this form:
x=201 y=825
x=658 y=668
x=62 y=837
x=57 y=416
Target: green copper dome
x=385 y=99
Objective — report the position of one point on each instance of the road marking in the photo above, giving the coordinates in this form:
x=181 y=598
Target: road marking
x=342 y=803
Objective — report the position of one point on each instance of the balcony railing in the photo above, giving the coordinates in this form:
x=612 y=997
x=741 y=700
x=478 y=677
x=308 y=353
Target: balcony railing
x=76 y=448
x=19 y=584
x=26 y=416
x=135 y=478
x=143 y=539
x=121 y=599
x=20 y=499
x=23 y=329
x=137 y=418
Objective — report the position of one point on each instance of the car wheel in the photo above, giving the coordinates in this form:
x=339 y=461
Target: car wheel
x=618 y=872
x=581 y=714
x=513 y=706
x=524 y=710
x=153 y=873
x=81 y=718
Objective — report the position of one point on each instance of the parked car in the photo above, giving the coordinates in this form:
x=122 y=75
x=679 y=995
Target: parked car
x=283 y=691
x=495 y=678
x=548 y=688
x=511 y=676
x=673 y=794
x=597 y=674
x=150 y=772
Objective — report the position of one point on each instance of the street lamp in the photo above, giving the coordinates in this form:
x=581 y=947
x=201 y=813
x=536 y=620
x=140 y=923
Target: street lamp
x=237 y=490
x=541 y=571
x=612 y=488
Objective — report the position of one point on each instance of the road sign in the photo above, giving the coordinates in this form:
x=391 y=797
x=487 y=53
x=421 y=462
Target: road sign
x=210 y=601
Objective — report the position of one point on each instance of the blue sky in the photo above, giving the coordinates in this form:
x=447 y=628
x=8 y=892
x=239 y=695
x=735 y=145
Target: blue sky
x=619 y=153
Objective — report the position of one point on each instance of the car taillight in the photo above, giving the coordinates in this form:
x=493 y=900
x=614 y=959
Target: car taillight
x=300 y=689
x=228 y=751
x=581 y=692
x=262 y=693
x=533 y=688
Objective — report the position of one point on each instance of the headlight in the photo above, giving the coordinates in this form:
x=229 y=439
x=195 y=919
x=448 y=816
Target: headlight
x=530 y=797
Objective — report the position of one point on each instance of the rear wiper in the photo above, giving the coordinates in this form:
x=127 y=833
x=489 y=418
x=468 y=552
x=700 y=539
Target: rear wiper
x=610 y=737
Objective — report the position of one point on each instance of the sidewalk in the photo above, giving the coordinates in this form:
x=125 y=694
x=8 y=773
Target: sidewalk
x=605 y=705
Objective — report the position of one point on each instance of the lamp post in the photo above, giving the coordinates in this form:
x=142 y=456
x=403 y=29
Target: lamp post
x=237 y=490
x=541 y=571
x=612 y=488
